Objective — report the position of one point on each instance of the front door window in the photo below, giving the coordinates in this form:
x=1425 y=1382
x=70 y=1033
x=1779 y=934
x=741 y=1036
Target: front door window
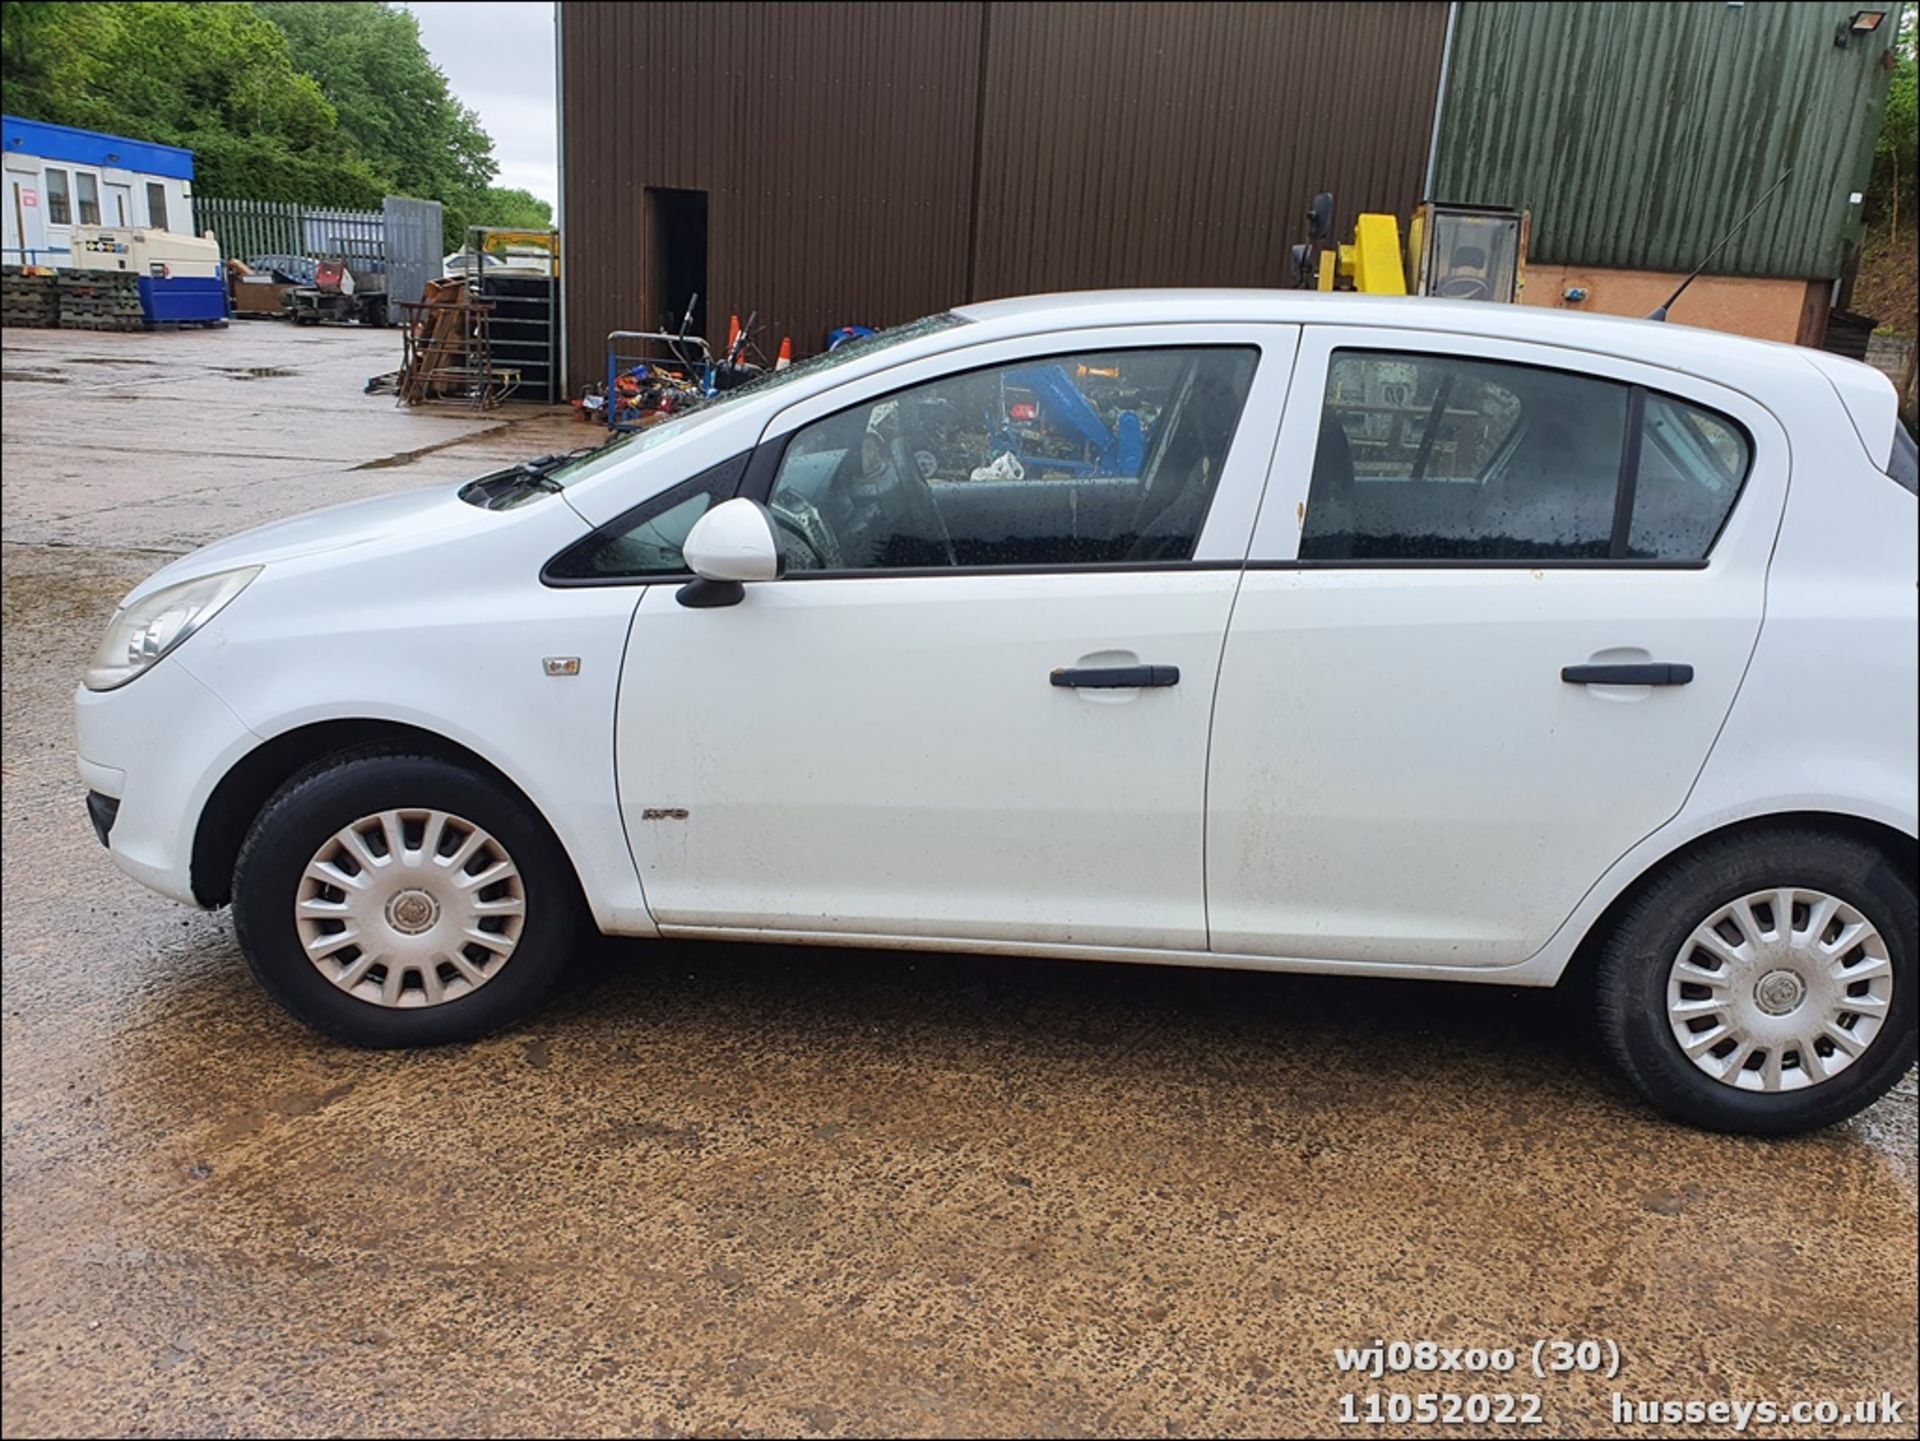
x=1098 y=458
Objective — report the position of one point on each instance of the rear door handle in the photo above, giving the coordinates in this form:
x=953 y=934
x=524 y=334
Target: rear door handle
x=1116 y=677
x=1645 y=673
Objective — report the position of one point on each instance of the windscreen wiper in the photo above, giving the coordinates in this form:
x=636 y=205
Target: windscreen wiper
x=540 y=469
x=501 y=489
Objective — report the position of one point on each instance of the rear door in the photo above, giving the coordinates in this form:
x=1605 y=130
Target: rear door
x=1500 y=600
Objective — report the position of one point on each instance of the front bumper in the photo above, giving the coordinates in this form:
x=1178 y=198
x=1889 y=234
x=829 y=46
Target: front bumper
x=153 y=751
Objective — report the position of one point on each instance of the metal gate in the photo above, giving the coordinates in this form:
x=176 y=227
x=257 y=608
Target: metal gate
x=413 y=248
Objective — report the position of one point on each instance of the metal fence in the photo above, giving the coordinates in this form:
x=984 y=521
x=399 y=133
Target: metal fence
x=246 y=228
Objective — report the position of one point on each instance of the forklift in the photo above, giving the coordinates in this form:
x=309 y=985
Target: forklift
x=1455 y=252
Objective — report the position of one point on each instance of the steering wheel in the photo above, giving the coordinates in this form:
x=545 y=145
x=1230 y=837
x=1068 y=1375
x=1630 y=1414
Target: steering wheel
x=797 y=516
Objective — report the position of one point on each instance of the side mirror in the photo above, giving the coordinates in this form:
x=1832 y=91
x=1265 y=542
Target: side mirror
x=1320 y=217
x=732 y=543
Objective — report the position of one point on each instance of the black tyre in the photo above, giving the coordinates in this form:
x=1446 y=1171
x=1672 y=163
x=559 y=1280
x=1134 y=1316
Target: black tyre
x=393 y=899
x=1765 y=983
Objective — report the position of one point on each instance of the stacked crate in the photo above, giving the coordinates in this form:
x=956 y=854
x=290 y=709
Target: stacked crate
x=100 y=300
x=29 y=296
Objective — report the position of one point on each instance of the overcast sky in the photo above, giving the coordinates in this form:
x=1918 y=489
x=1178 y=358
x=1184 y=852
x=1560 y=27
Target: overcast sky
x=499 y=60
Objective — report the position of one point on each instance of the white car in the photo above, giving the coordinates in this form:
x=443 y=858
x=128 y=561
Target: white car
x=466 y=262
x=1270 y=630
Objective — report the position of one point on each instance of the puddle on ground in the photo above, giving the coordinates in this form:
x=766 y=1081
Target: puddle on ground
x=36 y=377
x=255 y=372
x=109 y=360
x=407 y=457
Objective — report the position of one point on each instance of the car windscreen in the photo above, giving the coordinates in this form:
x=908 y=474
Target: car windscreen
x=615 y=452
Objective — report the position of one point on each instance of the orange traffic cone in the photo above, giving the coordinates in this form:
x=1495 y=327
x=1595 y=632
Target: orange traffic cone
x=785 y=358
x=733 y=332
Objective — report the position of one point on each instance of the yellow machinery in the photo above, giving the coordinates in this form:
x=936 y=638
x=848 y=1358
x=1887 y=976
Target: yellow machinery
x=1461 y=252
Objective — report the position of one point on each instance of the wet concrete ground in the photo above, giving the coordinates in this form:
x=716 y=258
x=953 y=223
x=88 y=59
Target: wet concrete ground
x=765 y=1191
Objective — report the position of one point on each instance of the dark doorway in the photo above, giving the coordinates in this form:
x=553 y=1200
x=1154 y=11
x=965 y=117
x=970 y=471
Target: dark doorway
x=677 y=245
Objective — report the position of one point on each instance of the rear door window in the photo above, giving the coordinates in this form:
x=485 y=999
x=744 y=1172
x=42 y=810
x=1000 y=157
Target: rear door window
x=1433 y=457
x=1442 y=458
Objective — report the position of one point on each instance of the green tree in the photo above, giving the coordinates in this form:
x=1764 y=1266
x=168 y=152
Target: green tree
x=332 y=104
x=218 y=79
x=1894 y=154
x=513 y=208
x=392 y=101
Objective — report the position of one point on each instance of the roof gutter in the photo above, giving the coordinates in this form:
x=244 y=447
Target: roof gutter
x=1440 y=101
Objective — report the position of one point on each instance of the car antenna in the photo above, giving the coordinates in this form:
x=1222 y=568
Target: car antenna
x=1660 y=311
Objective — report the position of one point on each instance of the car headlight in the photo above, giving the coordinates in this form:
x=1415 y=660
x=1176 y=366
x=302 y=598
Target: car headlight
x=141 y=633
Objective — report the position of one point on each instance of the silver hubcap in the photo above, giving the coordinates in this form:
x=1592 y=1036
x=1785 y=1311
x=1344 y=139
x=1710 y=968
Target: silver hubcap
x=410 y=908
x=1779 y=990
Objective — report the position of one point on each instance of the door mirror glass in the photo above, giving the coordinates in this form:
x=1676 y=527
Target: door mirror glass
x=733 y=542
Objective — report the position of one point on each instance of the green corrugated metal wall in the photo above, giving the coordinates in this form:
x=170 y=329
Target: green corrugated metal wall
x=1637 y=133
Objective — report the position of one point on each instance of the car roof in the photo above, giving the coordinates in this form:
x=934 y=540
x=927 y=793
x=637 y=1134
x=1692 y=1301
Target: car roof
x=1616 y=335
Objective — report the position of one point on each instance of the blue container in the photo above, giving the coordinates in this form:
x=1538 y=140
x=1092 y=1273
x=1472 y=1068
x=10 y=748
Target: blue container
x=183 y=300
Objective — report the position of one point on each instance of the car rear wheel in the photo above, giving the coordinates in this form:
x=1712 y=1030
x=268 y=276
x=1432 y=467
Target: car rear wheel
x=1765 y=983
x=392 y=899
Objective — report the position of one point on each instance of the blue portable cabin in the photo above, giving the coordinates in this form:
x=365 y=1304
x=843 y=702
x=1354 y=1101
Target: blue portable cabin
x=55 y=177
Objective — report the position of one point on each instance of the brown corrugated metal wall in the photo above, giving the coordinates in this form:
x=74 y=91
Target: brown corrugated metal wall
x=1179 y=144
x=873 y=163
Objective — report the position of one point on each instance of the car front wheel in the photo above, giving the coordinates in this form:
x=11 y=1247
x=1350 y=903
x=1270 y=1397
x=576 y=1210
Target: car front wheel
x=1765 y=983
x=392 y=899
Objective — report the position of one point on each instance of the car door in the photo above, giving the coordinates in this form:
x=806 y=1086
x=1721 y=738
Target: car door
x=975 y=706
x=1499 y=602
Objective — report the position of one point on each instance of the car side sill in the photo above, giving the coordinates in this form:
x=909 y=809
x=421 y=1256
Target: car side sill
x=1537 y=970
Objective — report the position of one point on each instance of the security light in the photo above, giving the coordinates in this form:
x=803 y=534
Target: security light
x=1864 y=22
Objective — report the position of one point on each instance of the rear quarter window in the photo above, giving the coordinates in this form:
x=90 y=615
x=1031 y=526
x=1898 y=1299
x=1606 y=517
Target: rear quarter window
x=1692 y=465
x=1904 y=464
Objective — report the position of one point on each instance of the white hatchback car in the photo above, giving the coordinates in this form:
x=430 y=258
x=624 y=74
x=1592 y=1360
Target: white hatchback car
x=1270 y=630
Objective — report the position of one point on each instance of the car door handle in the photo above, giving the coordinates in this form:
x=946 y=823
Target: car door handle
x=1645 y=673
x=1116 y=677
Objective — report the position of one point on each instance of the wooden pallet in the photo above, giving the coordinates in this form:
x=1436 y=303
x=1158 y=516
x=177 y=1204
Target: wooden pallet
x=28 y=299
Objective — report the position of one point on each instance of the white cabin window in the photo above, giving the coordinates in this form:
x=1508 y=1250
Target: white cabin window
x=87 y=188
x=59 y=205
x=156 y=206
